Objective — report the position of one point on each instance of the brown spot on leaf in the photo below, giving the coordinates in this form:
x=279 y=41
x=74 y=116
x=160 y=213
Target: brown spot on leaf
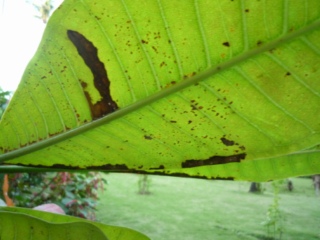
x=158 y=168
x=155 y=49
x=194 y=105
x=115 y=167
x=226 y=44
x=242 y=148
x=162 y=64
x=176 y=174
x=89 y=54
x=214 y=160
x=227 y=142
x=189 y=75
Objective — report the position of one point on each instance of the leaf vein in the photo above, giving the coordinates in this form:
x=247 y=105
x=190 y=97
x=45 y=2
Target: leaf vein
x=151 y=65
x=174 y=48
x=260 y=90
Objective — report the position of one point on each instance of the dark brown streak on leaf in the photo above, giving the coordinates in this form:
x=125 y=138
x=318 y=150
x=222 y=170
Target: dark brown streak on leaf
x=89 y=54
x=177 y=174
x=111 y=167
x=213 y=161
x=157 y=168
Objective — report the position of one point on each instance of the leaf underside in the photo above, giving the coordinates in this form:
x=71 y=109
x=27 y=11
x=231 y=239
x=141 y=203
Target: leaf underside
x=195 y=88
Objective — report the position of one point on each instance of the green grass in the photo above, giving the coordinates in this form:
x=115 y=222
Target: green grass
x=181 y=208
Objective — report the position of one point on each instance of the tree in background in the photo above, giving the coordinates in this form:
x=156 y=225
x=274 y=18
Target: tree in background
x=4 y=100
x=44 y=9
x=255 y=187
x=316 y=183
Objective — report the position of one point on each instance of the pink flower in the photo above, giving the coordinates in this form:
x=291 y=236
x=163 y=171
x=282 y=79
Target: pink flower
x=50 y=207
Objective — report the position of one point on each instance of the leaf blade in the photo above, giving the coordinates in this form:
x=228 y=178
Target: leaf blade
x=216 y=118
x=57 y=225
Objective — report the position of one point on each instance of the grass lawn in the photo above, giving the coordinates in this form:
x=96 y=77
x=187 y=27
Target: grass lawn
x=182 y=208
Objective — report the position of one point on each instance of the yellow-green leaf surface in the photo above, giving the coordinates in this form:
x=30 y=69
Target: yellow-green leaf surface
x=21 y=223
x=214 y=89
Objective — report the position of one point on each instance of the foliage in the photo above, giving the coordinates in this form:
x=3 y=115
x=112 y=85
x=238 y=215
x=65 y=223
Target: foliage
x=76 y=193
x=4 y=99
x=43 y=9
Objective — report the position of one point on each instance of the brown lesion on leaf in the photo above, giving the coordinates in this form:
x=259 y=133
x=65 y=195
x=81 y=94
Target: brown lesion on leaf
x=226 y=44
x=259 y=43
x=242 y=148
x=147 y=137
x=157 y=168
x=155 y=49
x=112 y=167
x=189 y=75
x=162 y=64
x=227 y=142
x=89 y=54
x=177 y=174
x=230 y=143
x=214 y=160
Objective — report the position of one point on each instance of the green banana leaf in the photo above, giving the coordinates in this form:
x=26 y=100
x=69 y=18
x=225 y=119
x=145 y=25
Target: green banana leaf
x=21 y=223
x=212 y=89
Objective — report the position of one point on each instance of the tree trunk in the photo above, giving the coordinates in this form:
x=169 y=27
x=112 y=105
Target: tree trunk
x=255 y=187
x=316 y=183
x=290 y=185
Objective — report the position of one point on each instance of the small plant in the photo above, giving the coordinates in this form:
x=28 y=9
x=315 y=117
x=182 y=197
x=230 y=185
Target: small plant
x=274 y=219
x=144 y=184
